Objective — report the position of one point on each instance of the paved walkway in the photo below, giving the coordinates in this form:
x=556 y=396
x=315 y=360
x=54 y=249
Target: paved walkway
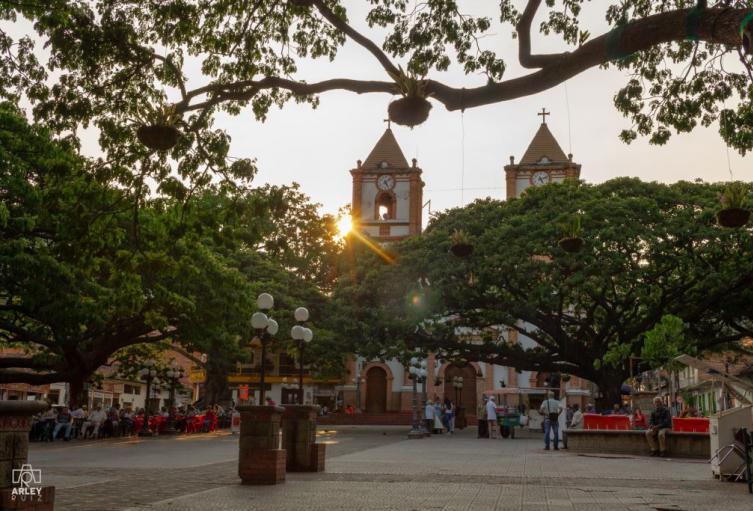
x=369 y=470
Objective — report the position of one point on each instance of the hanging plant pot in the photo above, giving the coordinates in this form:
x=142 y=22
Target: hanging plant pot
x=565 y=378
x=462 y=249
x=571 y=245
x=733 y=217
x=409 y=111
x=158 y=136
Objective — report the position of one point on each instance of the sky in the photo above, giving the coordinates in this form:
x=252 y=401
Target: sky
x=462 y=154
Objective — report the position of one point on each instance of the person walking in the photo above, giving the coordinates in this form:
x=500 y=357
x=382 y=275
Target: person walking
x=429 y=417
x=449 y=416
x=483 y=432
x=550 y=408
x=491 y=417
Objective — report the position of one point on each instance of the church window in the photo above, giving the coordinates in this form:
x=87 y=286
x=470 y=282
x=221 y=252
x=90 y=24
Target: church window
x=385 y=206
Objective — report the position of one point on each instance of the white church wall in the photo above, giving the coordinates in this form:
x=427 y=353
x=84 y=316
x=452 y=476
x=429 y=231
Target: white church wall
x=369 y=192
x=397 y=374
x=500 y=373
x=402 y=194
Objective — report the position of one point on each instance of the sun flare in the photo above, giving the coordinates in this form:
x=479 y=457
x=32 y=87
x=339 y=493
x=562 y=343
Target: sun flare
x=344 y=226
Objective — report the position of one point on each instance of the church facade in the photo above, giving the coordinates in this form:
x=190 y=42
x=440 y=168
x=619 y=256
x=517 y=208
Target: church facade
x=387 y=206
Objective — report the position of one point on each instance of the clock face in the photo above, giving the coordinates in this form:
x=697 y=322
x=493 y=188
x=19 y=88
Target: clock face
x=540 y=178
x=385 y=182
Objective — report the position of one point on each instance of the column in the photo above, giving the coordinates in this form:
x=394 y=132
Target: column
x=261 y=460
x=20 y=483
x=299 y=439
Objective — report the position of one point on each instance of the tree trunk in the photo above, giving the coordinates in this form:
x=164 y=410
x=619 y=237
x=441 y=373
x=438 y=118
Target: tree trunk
x=76 y=396
x=216 y=384
x=610 y=387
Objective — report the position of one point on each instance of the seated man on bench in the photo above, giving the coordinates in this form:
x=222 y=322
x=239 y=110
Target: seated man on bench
x=658 y=424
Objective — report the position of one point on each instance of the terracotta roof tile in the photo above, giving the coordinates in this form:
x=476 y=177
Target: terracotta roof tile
x=386 y=149
x=543 y=145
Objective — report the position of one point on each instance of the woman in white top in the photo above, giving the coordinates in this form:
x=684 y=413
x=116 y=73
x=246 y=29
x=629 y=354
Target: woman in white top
x=491 y=417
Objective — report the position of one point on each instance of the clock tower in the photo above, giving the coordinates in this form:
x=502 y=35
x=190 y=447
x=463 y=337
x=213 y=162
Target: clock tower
x=387 y=193
x=543 y=162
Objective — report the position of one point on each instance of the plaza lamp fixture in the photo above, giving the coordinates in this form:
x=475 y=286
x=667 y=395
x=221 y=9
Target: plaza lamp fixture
x=358 y=381
x=302 y=336
x=147 y=373
x=173 y=376
x=416 y=373
x=264 y=328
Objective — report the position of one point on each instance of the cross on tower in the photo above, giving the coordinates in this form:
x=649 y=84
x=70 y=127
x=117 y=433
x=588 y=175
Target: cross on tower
x=543 y=115
x=388 y=123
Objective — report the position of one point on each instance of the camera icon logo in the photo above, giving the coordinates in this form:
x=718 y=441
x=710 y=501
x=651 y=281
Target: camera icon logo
x=27 y=476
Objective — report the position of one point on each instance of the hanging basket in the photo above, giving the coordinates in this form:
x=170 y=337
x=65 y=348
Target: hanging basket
x=158 y=136
x=409 y=111
x=571 y=245
x=462 y=249
x=565 y=378
x=733 y=217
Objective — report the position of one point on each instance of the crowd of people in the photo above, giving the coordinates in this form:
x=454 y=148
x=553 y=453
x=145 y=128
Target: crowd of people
x=62 y=423
x=439 y=416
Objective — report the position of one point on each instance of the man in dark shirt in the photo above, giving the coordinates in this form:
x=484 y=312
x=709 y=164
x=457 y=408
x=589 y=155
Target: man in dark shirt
x=658 y=424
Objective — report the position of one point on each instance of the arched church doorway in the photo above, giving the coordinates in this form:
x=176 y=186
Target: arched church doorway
x=467 y=397
x=376 y=390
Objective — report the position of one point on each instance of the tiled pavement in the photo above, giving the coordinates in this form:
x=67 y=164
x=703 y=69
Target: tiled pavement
x=439 y=473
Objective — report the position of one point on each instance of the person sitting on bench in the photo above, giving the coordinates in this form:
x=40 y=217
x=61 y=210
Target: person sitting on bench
x=658 y=424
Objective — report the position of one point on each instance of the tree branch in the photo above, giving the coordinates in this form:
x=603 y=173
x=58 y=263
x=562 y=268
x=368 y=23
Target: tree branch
x=524 y=40
x=367 y=43
x=716 y=26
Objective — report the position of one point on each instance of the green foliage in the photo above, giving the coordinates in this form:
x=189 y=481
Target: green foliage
x=664 y=343
x=410 y=85
x=90 y=268
x=459 y=236
x=653 y=250
x=111 y=62
x=734 y=196
x=571 y=228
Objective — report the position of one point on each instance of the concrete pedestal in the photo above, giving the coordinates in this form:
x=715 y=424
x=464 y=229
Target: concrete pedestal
x=261 y=460
x=299 y=439
x=20 y=484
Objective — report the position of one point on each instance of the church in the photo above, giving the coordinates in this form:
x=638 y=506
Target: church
x=387 y=206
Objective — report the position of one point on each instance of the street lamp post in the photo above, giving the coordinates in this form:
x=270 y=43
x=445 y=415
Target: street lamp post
x=358 y=381
x=174 y=374
x=264 y=326
x=416 y=373
x=302 y=336
x=147 y=373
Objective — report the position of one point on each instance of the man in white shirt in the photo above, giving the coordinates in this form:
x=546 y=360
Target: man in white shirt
x=491 y=417
x=429 y=416
x=550 y=408
x=96 y=418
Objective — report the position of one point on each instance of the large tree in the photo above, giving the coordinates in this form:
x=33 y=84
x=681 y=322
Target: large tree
x=88 y=268
x=113 y=62
x=650 y=250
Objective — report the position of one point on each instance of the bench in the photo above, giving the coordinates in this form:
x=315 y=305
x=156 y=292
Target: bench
x=680 y=444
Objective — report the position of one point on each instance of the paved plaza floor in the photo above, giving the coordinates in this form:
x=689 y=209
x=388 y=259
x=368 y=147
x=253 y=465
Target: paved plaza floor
x=377 y=468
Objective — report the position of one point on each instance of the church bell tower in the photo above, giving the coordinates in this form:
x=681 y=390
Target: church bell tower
x=387 y=193
x=543 y=162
